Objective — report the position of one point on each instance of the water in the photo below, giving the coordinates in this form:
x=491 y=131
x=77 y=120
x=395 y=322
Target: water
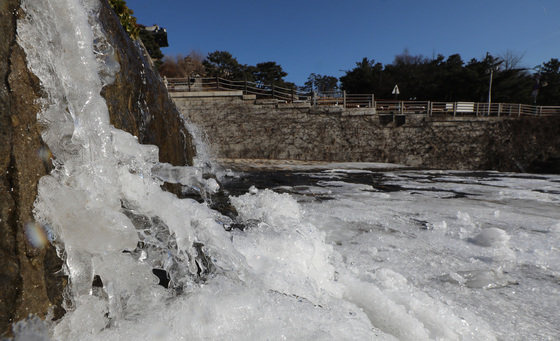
x=338 y=255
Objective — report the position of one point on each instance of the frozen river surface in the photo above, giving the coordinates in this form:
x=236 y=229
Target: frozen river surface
x=481 y=243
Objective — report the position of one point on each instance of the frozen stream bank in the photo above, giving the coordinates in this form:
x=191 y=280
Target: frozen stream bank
x=485 y=243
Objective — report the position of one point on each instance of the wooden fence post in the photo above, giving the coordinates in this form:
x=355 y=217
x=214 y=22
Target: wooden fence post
x=272 y=90
x=217 y=82
x=429 y=109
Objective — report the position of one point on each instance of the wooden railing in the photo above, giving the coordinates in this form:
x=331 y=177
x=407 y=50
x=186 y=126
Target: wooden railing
x=345 y=100
x=248 y=88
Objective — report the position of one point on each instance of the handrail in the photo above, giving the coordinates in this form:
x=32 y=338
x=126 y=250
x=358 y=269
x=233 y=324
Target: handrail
x=346 y=100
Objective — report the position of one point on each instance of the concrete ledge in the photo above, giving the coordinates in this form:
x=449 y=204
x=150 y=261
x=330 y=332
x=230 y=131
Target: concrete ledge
x=249 y=97
x=267 y=101
x=326 y=110
x=451 y=118
x=358 y=112
x=192 y=94
x=293 y=105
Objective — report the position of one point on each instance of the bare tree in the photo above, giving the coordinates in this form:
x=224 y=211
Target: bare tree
x=180 y=66
x=511 y=60
x=405 y=58
x=192 y=65
x=169 y=68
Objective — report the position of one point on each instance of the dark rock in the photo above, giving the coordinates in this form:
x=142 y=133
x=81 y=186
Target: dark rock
x=138 y=101
x=28 y=280
x=97 y=282
x=31 y=278
x=163 y=277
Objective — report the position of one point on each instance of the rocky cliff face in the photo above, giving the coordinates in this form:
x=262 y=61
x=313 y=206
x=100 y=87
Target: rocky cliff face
x=28 y=276
x=138 y=101
x=31 y=280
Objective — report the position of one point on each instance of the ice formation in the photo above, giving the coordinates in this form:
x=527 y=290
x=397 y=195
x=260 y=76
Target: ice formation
x=105 y=207
x=279 y=278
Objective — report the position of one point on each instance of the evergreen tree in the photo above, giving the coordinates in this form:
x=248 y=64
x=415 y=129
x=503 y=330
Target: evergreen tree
x=453 y=82
x=320 y=83
x=408 y=72
x=365 y=78
x=269 y=73
x=126 y=17
x=223 y=64
x=549 y=93
x=149 y=40
x=449 y=80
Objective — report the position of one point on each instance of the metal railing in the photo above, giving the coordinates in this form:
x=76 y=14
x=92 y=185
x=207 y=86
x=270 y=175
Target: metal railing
x=345 y=100
x=486 y=109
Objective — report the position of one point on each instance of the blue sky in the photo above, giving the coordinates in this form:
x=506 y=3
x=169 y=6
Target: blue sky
x=328 y=37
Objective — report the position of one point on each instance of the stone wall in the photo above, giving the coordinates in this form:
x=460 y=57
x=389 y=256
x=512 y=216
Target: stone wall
x=241 y=129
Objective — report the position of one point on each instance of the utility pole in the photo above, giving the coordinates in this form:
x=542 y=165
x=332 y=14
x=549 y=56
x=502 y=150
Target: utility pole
x=490 y=90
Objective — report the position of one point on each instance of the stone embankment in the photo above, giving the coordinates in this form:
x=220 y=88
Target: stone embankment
x=243 y=128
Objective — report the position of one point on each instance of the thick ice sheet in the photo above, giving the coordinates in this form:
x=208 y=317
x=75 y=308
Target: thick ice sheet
x=485 y=244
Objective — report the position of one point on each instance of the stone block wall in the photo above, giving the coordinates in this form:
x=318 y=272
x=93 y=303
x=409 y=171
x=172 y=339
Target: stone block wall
x=241 y=129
